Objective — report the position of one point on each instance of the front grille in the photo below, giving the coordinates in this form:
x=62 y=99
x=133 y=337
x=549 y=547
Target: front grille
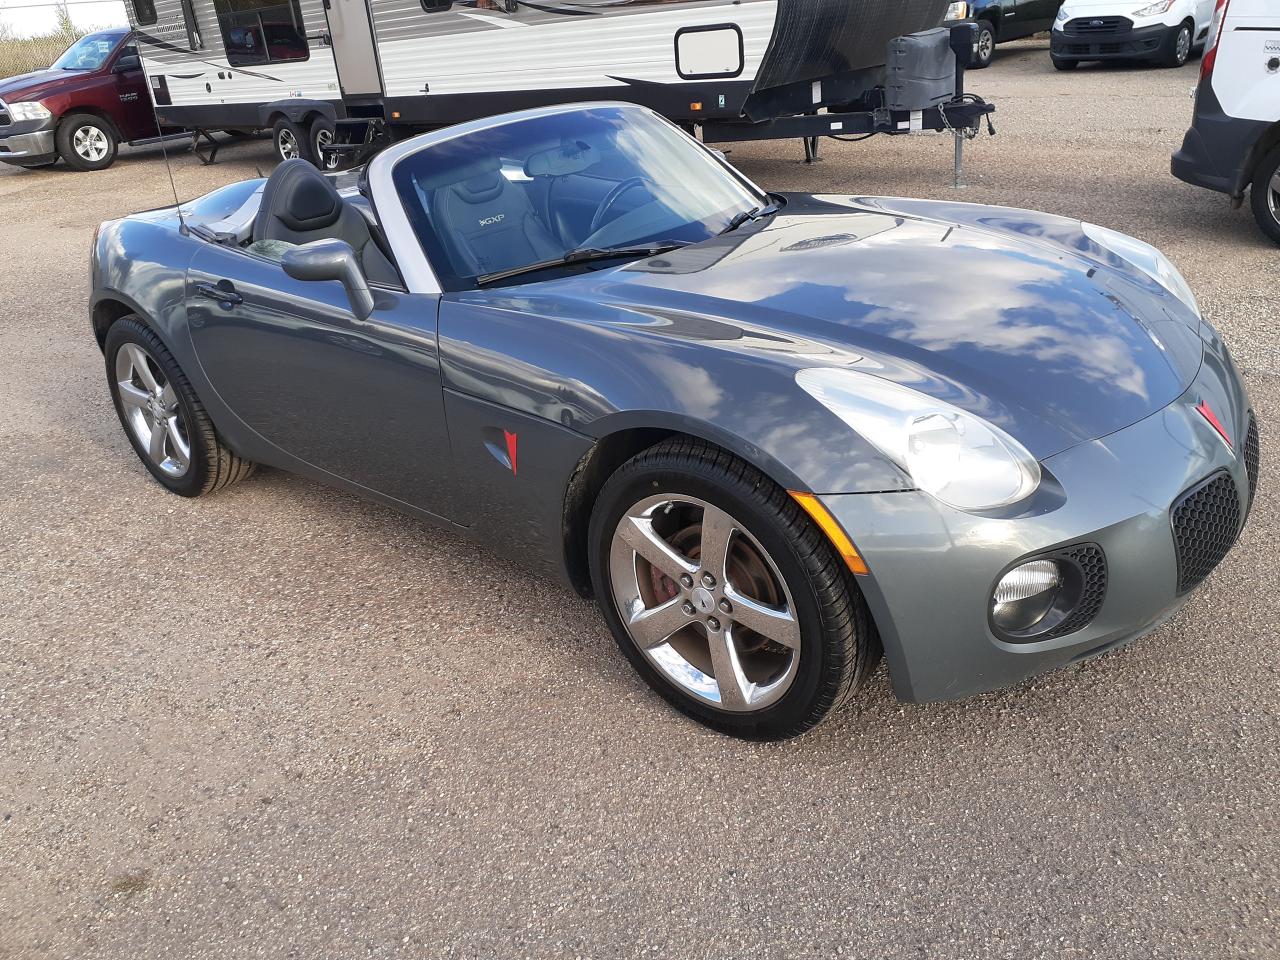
x=1206 y=522
x=1252 y=462
x=1098 y=26
x=1092 y=565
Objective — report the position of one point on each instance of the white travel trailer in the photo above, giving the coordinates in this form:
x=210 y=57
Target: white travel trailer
x=372 y=71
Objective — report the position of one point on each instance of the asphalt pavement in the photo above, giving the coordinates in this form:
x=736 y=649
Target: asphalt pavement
x=281 y=722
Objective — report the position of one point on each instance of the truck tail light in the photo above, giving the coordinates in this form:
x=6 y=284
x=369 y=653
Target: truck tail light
x=1215 y=34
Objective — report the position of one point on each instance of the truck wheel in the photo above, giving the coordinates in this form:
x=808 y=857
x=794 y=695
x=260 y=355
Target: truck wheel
x=1266 y=195
x=985 y=48
x=1177 y=50
x=290 y=140
x=322 y=133
x=86 y=142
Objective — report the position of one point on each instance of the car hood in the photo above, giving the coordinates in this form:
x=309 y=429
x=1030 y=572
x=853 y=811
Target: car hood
x=32 y=86
x=1014 y=316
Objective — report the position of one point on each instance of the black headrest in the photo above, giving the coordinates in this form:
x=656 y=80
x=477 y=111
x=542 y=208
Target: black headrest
x=300 y=197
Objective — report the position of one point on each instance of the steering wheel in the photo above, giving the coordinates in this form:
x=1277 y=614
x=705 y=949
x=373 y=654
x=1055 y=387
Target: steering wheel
x=611 y=198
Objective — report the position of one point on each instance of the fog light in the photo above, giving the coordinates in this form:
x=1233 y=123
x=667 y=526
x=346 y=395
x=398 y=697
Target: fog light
x=1025 y=594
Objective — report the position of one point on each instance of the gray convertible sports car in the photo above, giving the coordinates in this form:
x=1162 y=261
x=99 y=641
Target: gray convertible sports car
x=773 y=435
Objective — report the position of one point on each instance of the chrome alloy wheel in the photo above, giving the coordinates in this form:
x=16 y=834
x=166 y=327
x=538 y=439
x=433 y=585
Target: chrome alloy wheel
x=90 y=143
x=287 y=145
x=323 y=139
x=704 y=602
x=151 y=410
x=1273 y=195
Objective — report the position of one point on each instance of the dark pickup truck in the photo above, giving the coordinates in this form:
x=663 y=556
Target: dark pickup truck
x=81 y=109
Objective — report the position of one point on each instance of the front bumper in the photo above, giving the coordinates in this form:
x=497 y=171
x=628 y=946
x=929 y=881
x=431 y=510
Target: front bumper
x=1123 y=43
x=933 y=568
x=27 y=146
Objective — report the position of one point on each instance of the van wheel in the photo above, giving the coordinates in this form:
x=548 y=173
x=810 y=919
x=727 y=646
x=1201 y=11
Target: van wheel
x=985 y=48
x=290 y=140
x=86 y=142
x=1177 y=49
x=1266 y=195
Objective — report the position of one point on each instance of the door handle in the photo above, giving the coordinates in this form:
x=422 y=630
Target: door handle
x=223 y=291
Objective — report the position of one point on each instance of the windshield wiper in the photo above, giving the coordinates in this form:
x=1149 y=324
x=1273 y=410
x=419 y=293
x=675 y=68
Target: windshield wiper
x=583 y=255
x=746 y=216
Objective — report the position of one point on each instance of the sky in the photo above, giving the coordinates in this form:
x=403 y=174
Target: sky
x=28 y=17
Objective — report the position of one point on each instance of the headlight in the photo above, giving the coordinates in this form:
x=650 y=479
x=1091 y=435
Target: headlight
x=29 y=110
x=1146 y=258
x=1155 y=9
x=957 y=11
x=1063 y=16
x=961 y=459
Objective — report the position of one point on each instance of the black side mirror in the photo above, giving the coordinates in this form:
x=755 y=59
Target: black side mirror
x=332 y=260
x=127 y=64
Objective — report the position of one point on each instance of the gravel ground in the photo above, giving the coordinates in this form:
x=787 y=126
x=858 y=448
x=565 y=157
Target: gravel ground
x=280 y=722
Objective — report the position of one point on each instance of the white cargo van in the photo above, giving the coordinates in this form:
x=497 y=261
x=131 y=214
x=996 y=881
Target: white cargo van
x=1233 y=145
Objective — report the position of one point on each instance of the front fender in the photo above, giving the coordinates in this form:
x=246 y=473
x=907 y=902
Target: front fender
x=606 y=369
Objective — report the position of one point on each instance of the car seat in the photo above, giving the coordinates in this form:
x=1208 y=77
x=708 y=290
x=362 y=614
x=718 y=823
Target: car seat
x=485 y=222
x=300 y=204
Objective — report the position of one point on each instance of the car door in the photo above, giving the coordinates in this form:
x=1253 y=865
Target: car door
x=1033 y=16
x=133 y=113
x=361 y=401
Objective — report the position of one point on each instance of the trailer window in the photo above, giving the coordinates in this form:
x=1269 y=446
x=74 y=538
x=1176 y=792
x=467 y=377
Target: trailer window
x=144 y=12
x=261 y=31
x=194 y=40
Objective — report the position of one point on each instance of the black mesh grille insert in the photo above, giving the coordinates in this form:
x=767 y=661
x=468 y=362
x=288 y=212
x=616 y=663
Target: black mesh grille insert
x=1092 y=564
x=1252 y=456
x=1206 y=522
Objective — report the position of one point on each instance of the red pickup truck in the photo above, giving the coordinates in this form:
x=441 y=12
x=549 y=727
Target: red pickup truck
x=81 y=109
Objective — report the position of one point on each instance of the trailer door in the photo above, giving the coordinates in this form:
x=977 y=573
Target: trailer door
x=354 y=51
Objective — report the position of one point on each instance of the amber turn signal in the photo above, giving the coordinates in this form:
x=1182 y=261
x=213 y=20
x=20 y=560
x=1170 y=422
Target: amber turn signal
x=827 y=523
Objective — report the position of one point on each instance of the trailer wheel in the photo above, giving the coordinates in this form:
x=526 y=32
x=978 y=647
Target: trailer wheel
x=322 y=134
x=985 y=49
x=86 y=142
x=291 y=140
x=1265 y=197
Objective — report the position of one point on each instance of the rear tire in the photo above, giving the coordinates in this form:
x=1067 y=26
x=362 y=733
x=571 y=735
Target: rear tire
x=1177 y=49
x=321 y=135
x=985 y=48
x=816 y=645
x=86 y=142
x=1265 y=195
x=147 y=386
x=291 y=140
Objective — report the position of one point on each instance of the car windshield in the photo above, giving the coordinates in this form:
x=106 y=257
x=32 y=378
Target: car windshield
x=87 y=53
x=534 y=191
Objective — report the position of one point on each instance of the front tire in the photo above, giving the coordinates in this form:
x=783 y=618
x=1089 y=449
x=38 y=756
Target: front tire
x=1265 y=195
x=1178 y=46
x=724 y=596
x=985 y=48
x=87 y=142
x=163 y=418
